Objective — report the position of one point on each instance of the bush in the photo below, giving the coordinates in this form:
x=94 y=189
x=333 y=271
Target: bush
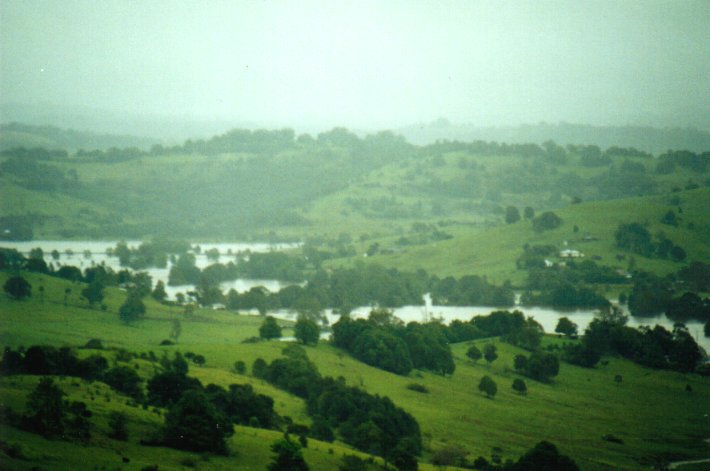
x=418 y=388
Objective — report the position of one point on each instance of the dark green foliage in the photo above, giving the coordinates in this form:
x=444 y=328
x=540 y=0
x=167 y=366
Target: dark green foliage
x=260 y=368
x=294 y=373
x=306 y=331
x=125 y=380
x=519 y=386
x=117 y=422
x=488 y=387
x=490 y=353
x=634 y=237
x=512 y=215
x=270 y=329
x=272 y=265
x=474 y=353
x=650 y=295
x=544 y=457
x=78 y=426
x=670 y=218
x=241 y=405
x=42 y=360
x=184 y=271
x=706 y=329
x=289 y=456
x=546 y=221
x=383 y=342
x=167 y=387
x=132 y=308
x=94 y=293
x=240 y=367
x=696 y=276
x=370 y=423
x=566 y=295
x=653 y=347
x=17 y=287
x=581 y=355
x=566 y=327
x=159 y=293
x=471 y=291
x=688 y=306
x=542 y=366
x=46 y=410
x=194 y=424
x=420 y=388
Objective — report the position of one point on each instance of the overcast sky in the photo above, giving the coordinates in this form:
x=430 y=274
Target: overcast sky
x=362 y=63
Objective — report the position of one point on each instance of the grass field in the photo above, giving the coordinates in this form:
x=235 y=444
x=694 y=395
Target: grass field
x=650 y=410
x=492 y=251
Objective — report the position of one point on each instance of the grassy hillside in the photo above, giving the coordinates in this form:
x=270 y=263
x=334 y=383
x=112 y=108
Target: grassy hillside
x=650 y=410
x=493 y=251
x=247 y=184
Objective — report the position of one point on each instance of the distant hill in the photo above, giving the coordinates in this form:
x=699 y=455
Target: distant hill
x=649 y=139
x=13 y=135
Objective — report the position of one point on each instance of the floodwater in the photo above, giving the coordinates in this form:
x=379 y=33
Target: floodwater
x=84 y=254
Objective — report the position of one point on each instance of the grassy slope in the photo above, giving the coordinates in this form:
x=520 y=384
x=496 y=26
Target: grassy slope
x=492 y=252
x=650 y=410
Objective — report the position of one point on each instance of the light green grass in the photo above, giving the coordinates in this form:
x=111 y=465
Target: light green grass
x=650 y=410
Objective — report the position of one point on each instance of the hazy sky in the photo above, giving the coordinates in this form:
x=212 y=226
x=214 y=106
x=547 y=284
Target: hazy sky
x=363 y=63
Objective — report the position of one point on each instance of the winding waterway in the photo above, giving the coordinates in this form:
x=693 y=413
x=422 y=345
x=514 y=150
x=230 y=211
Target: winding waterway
x=84 y=254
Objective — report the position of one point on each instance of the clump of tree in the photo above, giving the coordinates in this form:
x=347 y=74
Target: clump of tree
x=488 y=387
x=546 y=221
x=17 y=287
x=540 y=366
x=653 y=347
x=470 y=290
x=288 y=455
x=132 y=308
x=48 y=414
x=369 y=423
x=270 y=329
x=45 y=360
x=635 y=238
x=385 y=342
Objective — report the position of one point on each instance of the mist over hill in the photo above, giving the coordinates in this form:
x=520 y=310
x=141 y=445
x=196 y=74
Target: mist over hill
x=647 y=138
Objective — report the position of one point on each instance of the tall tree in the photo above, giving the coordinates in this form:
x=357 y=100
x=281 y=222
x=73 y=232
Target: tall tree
x=17 y=287
x=306 y=331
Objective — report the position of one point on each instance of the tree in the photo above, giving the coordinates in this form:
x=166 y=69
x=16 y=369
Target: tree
x=529 y=212
x=490 y=353
x=306 y=331
x=543 y=457
x=194 y=424
x=546 y=221
x=67 y=292
x=17 y=287
x=159 y=293
x=488 y=387
x=707 y=328
x=94 y=293
x=270 y=329
x=519 y=386
x=288 y=456
x=132 y=308
x=512 y=215
x=125 y=379
x=117 y=422
x=45 y=409
x=474 y=353
x=566 y=327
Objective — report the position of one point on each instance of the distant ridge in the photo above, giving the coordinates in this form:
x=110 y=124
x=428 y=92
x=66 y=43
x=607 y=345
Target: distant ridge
x=14 y=135
x=646 y=138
